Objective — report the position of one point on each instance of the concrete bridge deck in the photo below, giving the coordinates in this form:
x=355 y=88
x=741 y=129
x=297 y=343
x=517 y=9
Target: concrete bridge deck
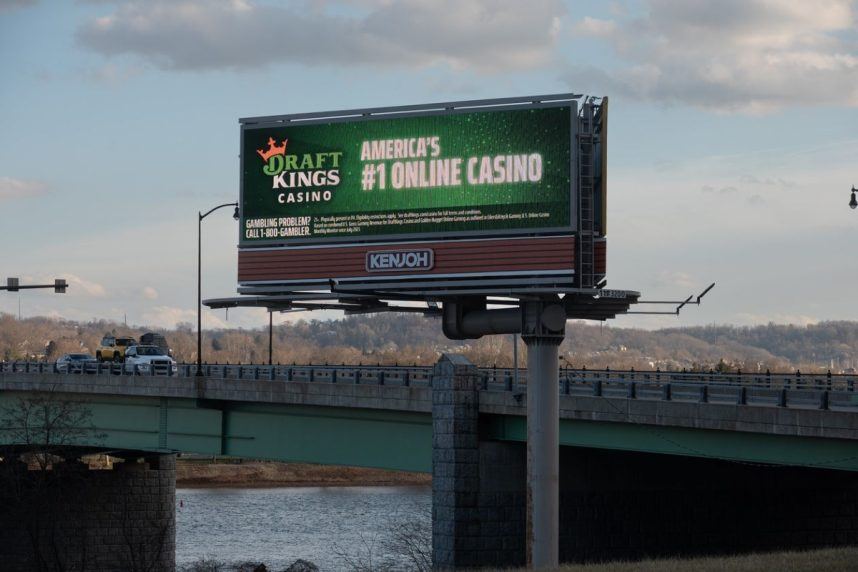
x=372 y=416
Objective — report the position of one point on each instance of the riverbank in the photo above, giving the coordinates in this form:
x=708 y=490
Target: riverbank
x=204 y=473
x=825 y=560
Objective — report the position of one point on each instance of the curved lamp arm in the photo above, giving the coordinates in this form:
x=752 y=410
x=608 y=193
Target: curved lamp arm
x=235 y=215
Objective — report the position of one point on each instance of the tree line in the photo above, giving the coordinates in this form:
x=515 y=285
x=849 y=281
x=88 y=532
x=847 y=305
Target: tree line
x=410 y=339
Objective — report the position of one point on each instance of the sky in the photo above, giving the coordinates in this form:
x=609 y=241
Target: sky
x=733 y=137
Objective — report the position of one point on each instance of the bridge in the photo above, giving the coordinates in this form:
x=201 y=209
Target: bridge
x=735 y=446
x=242 y=410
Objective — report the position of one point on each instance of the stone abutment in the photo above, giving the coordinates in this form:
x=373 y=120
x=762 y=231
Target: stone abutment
x=70 y=517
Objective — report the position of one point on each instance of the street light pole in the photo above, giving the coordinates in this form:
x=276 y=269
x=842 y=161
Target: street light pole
x=200 y=218
x=270 y=336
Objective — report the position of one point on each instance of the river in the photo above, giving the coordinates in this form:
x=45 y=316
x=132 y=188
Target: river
x=325 y=525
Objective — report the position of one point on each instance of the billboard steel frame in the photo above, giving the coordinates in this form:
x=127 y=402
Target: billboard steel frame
x=432 y=109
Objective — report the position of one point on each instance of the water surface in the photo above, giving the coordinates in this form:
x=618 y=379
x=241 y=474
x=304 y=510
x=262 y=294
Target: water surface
x=324 y=525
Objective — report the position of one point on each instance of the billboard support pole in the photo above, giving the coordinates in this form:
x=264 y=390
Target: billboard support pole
x=515 y=360
x=543 y=329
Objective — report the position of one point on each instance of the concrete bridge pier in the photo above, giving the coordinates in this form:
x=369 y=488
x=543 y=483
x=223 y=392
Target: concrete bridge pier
x=456 y=531
x=478 y=515
x=71 y=517
x=479 y=508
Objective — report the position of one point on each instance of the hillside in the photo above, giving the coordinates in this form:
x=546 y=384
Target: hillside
x=393 y=338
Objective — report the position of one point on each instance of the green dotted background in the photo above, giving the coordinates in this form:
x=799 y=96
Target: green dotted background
x=535 y=130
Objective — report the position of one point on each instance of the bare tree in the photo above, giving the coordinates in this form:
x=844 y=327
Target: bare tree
x=408 y=548
x=366 y=557
x=412 y=541
x=41 y=431
x=48 y=425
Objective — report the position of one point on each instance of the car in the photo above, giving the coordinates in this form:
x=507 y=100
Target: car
x=155 y=339
x=149 y=360
x=113 y=348
x=69 y=363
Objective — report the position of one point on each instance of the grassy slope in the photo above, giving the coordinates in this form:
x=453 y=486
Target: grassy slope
x=827 y=560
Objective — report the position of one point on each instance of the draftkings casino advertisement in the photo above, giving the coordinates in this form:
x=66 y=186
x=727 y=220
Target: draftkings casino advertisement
x=440 y=176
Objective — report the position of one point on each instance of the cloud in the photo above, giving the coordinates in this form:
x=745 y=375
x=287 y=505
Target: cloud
x=77 y=286
x=484 y=35
x=89 y=288
x=756 y=199
x=170 y=316
x=9 y=5
x=768 y=181
x=111 y=74
x=20 y=188
x=150 y=293
x=735 y=55
x=755 y=190
x=595 y=27
x=720 y=191
x=677 y=279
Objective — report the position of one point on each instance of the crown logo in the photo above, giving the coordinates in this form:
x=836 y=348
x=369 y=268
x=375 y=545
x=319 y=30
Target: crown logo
x=273 y=149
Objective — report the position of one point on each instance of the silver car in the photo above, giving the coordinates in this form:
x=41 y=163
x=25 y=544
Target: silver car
x=74 y=363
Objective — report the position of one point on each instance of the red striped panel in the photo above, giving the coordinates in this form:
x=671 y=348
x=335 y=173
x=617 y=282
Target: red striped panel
x=600 y=257
x=451 y=257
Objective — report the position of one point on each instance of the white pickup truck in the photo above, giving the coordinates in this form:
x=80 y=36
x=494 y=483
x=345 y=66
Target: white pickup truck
x=149 y=360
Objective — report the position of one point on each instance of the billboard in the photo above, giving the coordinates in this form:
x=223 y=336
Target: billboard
x=432 y=174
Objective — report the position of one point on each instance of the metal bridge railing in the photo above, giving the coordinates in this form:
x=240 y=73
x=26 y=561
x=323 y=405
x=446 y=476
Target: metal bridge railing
x=797 y=390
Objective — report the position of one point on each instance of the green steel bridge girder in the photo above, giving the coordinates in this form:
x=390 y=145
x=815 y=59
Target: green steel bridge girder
x=400 y=440
x=739 y=446
x=292 y=433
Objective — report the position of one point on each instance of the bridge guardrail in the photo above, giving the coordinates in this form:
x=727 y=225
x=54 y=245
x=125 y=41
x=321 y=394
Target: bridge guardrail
x=818 y=391
x=492 y=377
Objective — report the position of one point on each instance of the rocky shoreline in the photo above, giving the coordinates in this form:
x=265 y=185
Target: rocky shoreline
x=223 y=473
x=208 y=565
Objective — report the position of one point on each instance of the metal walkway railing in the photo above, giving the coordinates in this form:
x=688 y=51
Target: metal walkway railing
x=795 y=390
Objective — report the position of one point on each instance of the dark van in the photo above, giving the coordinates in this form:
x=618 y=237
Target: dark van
x=154 y=339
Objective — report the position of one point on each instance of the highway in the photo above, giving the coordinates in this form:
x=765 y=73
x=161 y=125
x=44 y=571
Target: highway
x=791 y=390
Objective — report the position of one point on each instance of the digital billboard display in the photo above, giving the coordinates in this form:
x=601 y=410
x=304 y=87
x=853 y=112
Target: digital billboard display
x=441 y=175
